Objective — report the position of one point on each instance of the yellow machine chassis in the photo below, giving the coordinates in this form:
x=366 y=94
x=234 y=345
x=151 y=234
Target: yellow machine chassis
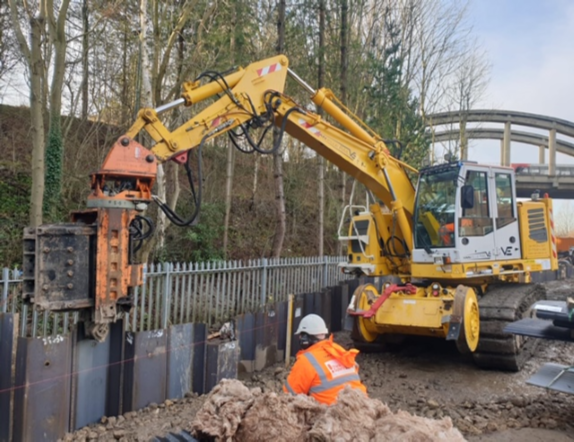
x=431 y=311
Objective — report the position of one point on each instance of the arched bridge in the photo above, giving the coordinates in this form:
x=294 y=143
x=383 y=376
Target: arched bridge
x=557 y=181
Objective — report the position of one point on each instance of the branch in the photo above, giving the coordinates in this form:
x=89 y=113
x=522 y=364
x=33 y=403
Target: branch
x=171 y=40
x=18 y=30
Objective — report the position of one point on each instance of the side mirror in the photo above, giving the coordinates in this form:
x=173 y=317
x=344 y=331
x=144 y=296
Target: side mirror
x=467 y=196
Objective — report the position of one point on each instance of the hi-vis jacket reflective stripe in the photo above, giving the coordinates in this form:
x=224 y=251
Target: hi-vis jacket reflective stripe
x=323 y=370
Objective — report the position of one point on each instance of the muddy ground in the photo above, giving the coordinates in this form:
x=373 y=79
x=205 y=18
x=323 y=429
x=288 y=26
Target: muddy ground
x=426 y=377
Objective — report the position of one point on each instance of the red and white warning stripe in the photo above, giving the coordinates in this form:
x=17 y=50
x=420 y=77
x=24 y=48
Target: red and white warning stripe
x=553 y=235
x=309 y=127
x=269 y=69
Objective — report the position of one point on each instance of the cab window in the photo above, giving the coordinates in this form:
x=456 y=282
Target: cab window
x=504 y=200
x=476 y=220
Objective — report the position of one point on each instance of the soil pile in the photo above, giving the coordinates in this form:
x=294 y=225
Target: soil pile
x=232 y=412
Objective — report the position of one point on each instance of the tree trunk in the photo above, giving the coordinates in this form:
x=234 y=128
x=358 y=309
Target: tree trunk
x=54 y=150
x=85 y=55
x=343 y=88
x=125 y=69
x=257 y=160
x=321 y=171
x=36 y=113
x=277 y=158
x=157 y=241
x=230 y=148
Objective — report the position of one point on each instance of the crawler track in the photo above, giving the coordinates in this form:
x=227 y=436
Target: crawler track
x=499 y=306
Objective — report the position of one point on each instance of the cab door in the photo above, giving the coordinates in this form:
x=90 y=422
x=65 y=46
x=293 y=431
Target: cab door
x=506 y=230
x=475 y=222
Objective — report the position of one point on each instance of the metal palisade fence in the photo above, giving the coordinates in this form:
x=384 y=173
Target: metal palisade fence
x=176 y=293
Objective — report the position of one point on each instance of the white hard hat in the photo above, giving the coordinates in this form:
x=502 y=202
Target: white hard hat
x=313 y=325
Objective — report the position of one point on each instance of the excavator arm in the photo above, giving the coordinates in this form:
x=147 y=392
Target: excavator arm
x=255 y=95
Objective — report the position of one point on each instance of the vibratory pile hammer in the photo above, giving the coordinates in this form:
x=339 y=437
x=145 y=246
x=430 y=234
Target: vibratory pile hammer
x=463 y=252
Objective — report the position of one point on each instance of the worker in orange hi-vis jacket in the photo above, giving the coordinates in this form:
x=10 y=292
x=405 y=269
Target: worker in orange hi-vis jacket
x=323 y=368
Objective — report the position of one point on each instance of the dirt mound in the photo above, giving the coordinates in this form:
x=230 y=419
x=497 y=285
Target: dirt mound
x=232 y=412
x=222 y=412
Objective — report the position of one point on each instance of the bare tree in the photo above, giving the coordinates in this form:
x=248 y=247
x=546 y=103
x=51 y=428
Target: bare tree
x=85 y=58
x=344 y=65
x=321 y=171
x=156 y=87
x=467 y=88
x=8 y=55
x=230 y=148
x=280 y=227
x=48 y=27
x=564 y=220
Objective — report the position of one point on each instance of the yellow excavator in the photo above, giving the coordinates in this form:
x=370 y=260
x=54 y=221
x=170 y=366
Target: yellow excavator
x=465 y=254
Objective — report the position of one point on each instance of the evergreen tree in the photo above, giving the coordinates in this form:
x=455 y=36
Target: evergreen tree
x=392 y=109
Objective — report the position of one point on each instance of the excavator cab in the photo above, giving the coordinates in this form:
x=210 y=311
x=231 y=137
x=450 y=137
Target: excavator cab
x=466 y=213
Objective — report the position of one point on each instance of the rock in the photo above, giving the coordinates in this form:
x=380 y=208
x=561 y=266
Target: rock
x=130 y=415
x=121 y=419
x=492 y=427
x=454 y=415
x=152 y=406
x=188 y=395
x=278 y=371
x=473 y=430
x=270 y=385
x=479 y=419
x=481 y=425
x=518 y=401
x=432 y=403
x=402 y=375
x=112 y=420
x=104 y=419
x=168 y=403
x=118 y=434
x=550 y=423
x=92 y=435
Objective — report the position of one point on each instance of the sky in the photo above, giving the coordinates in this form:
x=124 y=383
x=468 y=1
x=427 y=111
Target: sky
x=529 y=46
